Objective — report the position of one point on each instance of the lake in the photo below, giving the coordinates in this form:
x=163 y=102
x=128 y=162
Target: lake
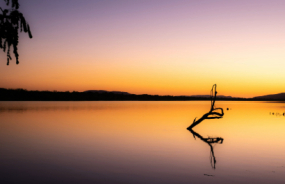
x=141 y=142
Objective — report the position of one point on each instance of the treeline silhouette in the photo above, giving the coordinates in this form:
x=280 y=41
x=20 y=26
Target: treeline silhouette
x=25 y=95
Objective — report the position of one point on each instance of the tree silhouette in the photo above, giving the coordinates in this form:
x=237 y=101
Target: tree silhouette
x=12 y=22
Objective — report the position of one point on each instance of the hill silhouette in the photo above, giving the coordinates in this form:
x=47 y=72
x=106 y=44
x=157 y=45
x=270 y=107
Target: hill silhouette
x=279 y=96
x=209 y=96
x=104 y=91
x=103 y=95
x=91 y=95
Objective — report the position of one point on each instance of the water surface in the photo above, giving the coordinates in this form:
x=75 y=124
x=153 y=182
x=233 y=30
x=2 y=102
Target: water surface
x=140 y=142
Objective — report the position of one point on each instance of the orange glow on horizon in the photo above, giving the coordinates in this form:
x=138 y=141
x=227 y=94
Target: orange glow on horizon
x=176 y=48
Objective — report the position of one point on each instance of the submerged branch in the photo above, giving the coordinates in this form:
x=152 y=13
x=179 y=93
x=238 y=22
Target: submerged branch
x=212 y=114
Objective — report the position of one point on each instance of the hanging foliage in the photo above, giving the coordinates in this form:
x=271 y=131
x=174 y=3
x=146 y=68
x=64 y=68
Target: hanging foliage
x=11 y=23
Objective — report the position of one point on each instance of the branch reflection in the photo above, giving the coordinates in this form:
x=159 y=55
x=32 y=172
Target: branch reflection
x=210 y=141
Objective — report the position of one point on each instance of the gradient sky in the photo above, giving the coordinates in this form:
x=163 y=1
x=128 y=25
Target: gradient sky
x=160 y=47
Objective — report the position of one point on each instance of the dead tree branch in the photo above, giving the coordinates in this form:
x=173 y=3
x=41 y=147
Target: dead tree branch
x=214 y=113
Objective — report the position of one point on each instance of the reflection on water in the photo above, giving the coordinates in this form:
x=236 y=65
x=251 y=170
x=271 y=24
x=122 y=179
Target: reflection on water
x=210 y=141
x=139 y=142
x=55 y=106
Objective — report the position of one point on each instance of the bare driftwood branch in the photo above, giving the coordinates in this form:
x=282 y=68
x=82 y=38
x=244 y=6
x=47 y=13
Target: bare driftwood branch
x=214 y=113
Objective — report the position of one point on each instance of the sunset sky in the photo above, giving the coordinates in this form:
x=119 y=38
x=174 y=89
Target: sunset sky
x=164 y=47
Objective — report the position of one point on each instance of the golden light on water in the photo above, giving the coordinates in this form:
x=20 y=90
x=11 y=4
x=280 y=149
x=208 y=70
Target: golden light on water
x=145 y=138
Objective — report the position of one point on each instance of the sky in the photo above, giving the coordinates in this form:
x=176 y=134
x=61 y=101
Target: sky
x=164 y=47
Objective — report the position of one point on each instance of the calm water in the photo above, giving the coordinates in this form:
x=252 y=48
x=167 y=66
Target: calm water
x=140 y=142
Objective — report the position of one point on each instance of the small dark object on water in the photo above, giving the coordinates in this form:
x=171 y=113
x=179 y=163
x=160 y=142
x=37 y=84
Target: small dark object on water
x=208 y=175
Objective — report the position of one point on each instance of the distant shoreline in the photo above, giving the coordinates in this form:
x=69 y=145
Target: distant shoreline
x=25 y=95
